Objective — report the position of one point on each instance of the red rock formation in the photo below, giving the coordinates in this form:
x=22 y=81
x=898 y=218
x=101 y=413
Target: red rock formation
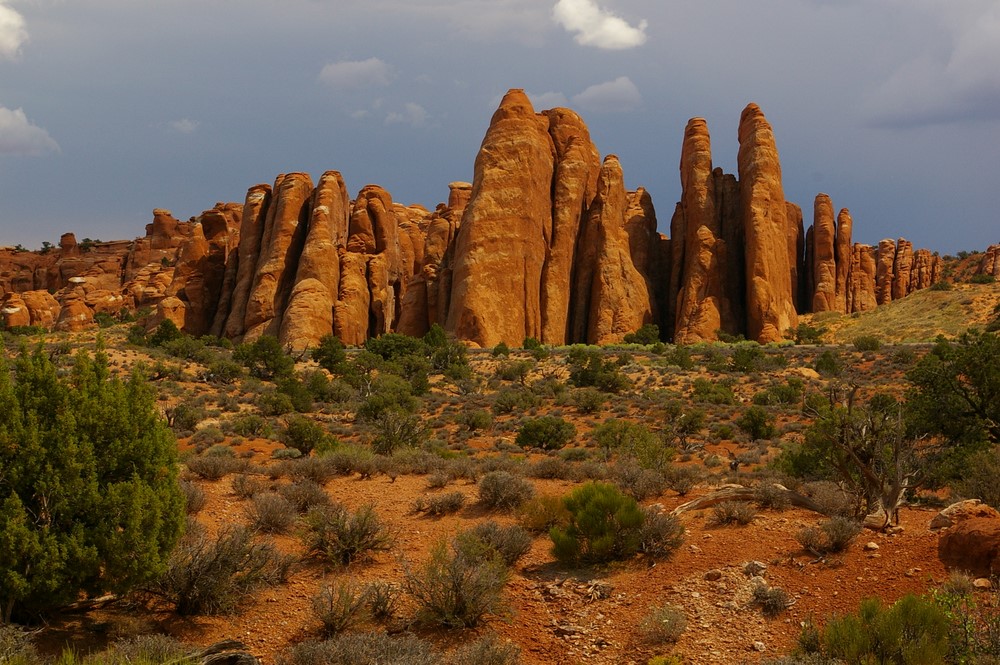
x=309 y=315
x=14 y=311
x=252 y=224
x=844 y=255
x=501 y=248
x=924 y=271
x=573 y=187
x=902 y=269
x=990 y=263
x=770 y=304
x=796 y=255
x=824 y=256
x=703 y=306
x=861 y=281
x=619 y=300
x=885 y=260
x=160 y=245
x=281 y=244
x=425 y=301
x=350 y=317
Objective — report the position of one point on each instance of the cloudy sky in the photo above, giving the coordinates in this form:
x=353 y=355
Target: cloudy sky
x=110 y=108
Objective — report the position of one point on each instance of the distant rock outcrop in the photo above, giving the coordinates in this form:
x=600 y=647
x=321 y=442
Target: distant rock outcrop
x=546 y=242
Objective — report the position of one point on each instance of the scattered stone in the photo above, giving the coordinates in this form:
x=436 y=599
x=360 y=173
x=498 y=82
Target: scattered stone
x=713 y=575
x=982 y=583
x=754 y=568
x=759 y=647
x=871 y=546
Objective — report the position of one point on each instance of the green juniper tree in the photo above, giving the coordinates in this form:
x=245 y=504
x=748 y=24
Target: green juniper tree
x=89 y=498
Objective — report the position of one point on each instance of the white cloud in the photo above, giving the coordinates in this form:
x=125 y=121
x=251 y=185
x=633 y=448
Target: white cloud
x=412 y=114
x=612 y=96
x=184 y=126
x=13 y=33
x=356 y=73
x=547 y=100
x=960 y=83
x=596 y=26
x=19 y=137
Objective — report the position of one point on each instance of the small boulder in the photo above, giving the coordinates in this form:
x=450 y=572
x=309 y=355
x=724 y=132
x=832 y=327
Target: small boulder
x=972 y=546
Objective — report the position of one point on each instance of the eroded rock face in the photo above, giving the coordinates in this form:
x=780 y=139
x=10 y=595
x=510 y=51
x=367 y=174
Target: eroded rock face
x=824 y=256
x=309 y=315
x=990 y=263
x=501 y=247
x=844 y=255
x=281 y=243
x=574 y=184
x=926 y=267
x=861 y=284
x=797 y=255
x=619 y=300
x=703 y=306
x=902 y=269
x=885 y=260
x=770 y=305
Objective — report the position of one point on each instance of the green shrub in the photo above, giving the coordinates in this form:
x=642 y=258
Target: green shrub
x=807 y=334
x=455 y=590
x=388 y=393
x=546 y=432
x=210 y=467
x=913 y=630
x=501 y=350
x=504 y=491
x=648 y=334
x=771 y=600
x=274 y=403
x=982 y=279
x=867 y=343
x=264 y=358
x=747 y=357
x=605 y=525
x=833 y=535
x=362 y=648
x=396 y=430
x=663 y=625
x=302 y=434
x=828 y=364
x=488 y=539
x=339 y=607
x=941 y=286
x=304 y=494
x=330 y=355
x=213 y=576
x=589 y=368
x=509 y=400
x=541 y=513
x=440 y=504
x=588 y=400
x=757 y=423
x=248 y=425
x=270 y=513
x=194 y=497
x=486 y=650
x=733 y=512
x=710 y=392
x=474 y=419
x=661 y=534
x=341 y=537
